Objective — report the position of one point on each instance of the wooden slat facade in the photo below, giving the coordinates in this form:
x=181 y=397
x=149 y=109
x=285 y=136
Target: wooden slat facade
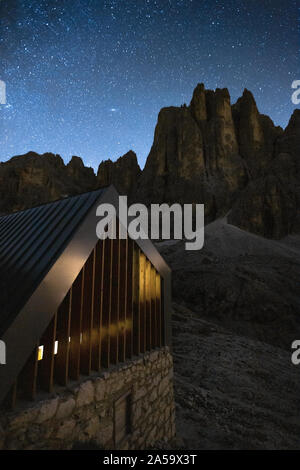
x=142 y=302
x=129 y=299
x=98 y=305
x=122 y=300
x=105 y=336
x=27 y=380
x=112 y=312
x=136 y=311
x=46 y=366
x=76 y=325
x=63 y=335
x=87 y=315
x=115 y=297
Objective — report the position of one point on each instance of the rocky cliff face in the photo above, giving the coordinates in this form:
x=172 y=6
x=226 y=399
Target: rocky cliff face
x=123 y=174
x=256 y=135
x=32 y=179
x=195 y=155
x=269 y=205
x=229 y=157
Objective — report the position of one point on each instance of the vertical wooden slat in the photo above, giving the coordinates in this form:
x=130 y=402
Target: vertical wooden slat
x=98 y=298
x=129 y=302
x=46 y=365
x=148 y=304
x=76 y=321
x=115 y=291
x=123 y=298
x=158 y=310
x=63 y=333
x=153 y=309
x=105 y=337
x=136 y=327
x=27 y=379
x=142 y=303
x=162 y=312
x=87 y=315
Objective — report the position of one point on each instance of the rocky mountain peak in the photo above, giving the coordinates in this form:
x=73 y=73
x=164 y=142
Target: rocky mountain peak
x=248 y=98
x=33 y=159
x=293 y=126
x=198 y=103
x=76 y=163
x=123 y=173
x=256 y=135
x=31 y=179
x=194 y=156
x=232 y=158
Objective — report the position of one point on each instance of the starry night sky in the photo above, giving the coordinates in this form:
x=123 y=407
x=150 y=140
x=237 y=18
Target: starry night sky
x=88 y=77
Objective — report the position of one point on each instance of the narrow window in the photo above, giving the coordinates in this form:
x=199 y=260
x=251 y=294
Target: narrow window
x=40 y=353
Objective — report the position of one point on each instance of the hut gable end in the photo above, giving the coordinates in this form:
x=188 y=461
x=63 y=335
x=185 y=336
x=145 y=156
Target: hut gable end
x=72 y=305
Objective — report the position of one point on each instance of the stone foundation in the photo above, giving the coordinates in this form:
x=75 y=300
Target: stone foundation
x=86 y=411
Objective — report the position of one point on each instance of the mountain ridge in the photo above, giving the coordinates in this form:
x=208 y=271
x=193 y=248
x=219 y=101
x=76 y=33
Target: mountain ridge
x=227 y=156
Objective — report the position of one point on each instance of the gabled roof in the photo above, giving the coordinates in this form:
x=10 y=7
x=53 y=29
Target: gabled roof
x=42 y=250
x=30 y=241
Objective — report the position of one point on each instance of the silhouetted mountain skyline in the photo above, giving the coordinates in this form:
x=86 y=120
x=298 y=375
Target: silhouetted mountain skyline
x=229 y=157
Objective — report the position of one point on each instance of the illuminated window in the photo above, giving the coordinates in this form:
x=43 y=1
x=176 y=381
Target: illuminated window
x=55 y=347
x=40 y=353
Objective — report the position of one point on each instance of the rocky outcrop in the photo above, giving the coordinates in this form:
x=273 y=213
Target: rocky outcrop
x=229 y=157
x=32 y=179
x=79 y=173
x=195 y=155
x=123 y=173
x=290 y=140
x=269 y=205
x=256 y=135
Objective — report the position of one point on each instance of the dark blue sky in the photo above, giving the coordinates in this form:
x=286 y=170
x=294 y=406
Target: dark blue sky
x=88 y=77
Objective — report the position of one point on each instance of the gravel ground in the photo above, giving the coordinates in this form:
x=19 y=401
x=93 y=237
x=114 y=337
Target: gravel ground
x=232 y=392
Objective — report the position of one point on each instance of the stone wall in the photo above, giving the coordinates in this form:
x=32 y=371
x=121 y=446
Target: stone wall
x=84 y=411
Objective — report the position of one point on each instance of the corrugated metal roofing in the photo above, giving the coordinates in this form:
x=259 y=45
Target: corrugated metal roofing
x=30 y=242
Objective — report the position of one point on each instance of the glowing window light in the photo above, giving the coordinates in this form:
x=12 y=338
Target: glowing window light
x=69 y=339
x=55 y=347
x=40 y=353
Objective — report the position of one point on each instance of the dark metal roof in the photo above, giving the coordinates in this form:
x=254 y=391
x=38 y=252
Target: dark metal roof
x=30 y=242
